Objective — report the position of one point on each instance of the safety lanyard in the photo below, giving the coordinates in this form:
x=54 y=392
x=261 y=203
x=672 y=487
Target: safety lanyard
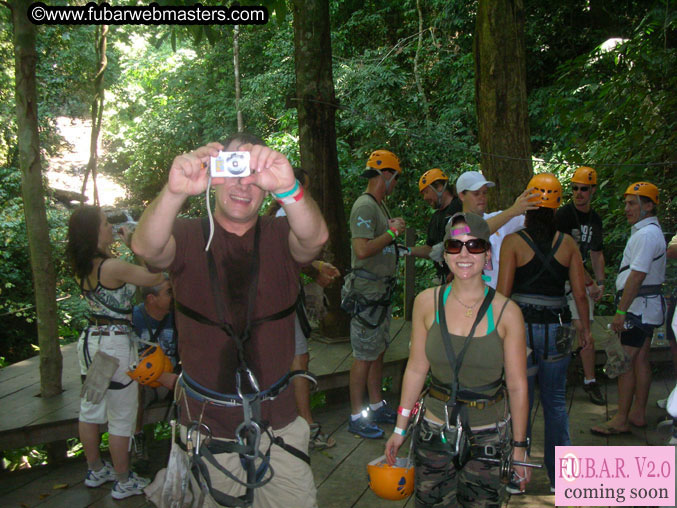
x=457 y=361
x=241 y=338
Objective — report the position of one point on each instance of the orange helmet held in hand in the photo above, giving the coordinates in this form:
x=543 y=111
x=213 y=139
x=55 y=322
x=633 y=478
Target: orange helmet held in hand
x=152 y=364
x=549 y=189
x=391 y=482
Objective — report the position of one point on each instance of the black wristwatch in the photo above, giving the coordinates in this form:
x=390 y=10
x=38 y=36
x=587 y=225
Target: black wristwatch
x=521 y=444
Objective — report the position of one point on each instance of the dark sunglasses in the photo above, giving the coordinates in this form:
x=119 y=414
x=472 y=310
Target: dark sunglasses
x=474 y=246
x=582 y=188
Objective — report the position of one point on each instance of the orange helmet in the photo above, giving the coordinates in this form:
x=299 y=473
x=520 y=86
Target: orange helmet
x=391 y=482
x=152 y=363
x=430 y=176
x=549 y=188
x=383 y=159
x=645 y=189
x=585 y=175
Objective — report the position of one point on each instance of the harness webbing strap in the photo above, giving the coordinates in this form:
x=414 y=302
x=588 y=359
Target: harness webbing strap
x=626 y=267
x=545 y=260
x=249 y=431
x=204 y=394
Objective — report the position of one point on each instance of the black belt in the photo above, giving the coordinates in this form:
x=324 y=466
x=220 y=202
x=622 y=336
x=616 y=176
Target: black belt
x=476 y=403
x=106 y=321
x=107 y=333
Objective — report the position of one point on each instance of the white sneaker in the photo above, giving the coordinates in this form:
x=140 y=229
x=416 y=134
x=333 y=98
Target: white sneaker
x=662 y=403
x=103 y=475
x=132 y=487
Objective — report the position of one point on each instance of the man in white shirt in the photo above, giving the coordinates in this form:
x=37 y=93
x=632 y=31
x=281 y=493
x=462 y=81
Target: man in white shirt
x=639 y=307
x=472 y=189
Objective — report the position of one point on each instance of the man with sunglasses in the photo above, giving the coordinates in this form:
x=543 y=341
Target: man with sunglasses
x=579 y=220
x=366 y=294
x=473 y=189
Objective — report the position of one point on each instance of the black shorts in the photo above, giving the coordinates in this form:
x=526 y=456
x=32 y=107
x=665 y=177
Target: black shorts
x=637 y=332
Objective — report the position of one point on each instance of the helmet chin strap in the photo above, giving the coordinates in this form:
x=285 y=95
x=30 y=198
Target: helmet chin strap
x=388 y=181
x=642 y=211
x=440 y=193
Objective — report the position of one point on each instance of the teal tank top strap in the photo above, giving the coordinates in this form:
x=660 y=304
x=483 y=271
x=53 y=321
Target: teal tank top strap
x=490 y=311
x=490 y=319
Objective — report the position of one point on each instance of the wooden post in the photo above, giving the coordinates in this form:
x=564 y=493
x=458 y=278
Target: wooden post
x=409 y=275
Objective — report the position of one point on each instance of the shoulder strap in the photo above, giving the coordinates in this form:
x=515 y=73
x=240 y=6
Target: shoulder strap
x=162 y=324
x=623 y=268
x=500 y=315
x=457 y=362
x=545 y=261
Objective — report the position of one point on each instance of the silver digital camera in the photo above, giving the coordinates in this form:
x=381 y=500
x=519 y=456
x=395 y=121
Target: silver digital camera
x=230 y=164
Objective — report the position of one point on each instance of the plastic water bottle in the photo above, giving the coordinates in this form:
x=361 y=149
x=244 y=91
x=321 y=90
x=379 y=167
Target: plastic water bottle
x=659 y=339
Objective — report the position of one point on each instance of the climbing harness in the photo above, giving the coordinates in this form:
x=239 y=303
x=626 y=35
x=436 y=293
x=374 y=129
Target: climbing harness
x=248 y=395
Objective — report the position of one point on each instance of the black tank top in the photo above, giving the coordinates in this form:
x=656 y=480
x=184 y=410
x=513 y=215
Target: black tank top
x=547 y=284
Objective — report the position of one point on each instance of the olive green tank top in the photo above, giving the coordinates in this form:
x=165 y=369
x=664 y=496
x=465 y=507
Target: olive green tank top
x=482 y=365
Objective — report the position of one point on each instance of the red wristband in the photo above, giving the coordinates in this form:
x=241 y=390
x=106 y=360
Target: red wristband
x=404 y=412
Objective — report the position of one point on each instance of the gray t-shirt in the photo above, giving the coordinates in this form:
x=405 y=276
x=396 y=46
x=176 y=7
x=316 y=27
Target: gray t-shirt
x=369 y=219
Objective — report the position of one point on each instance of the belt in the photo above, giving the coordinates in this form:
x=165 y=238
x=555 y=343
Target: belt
x=107 y=333
x=478 y=404
x=203 y=394
x=540 y=300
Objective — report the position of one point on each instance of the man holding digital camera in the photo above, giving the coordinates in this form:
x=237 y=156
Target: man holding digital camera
x=235 y=285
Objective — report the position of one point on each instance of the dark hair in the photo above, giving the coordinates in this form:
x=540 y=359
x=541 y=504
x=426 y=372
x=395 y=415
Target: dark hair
x=243 y=138
x=83 y=240
x=540 y=224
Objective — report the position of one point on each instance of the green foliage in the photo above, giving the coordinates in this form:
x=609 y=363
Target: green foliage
x=24 y=458
x=614 y=108
x=171 y=89
x=16 y=291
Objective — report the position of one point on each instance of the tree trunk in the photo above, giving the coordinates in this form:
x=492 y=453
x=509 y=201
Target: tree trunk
x=236 y=68
x=501 y=97
x=97 y=109
x=316 y=105
x=42 y=266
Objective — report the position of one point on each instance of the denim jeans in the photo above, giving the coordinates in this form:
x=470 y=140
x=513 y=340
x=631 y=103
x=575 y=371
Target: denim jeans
x=552 y=381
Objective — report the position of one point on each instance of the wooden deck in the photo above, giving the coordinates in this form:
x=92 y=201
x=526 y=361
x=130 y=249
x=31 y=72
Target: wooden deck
x=340 y=473
x=26 y=419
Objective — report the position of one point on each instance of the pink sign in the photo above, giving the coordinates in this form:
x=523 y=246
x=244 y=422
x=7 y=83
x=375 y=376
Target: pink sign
x=615 y=476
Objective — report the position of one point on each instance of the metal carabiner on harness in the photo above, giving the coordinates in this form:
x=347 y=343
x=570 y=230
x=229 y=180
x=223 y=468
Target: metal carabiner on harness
x=240 y=433
x=195 y=427
x=252 y=382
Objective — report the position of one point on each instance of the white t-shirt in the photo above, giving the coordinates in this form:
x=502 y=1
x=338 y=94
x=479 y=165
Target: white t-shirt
x=645 y=252
x=512 y=226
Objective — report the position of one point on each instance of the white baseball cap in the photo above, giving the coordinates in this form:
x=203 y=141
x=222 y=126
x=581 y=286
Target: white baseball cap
x=472 y=181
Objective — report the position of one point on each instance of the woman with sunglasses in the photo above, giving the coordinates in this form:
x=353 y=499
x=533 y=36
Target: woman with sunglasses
x=535 y=265
x=109 y=286
x=475 y=359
